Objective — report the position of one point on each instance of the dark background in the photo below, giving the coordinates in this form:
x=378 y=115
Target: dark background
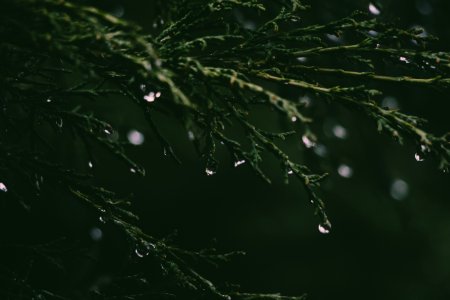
x=390 y=237
x=379 y=247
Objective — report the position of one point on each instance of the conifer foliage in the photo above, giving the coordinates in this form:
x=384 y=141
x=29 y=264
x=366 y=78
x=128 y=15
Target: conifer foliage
x=206 y=69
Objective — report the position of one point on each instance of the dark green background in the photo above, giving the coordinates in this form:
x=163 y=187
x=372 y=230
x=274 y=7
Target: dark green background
x=379 y=247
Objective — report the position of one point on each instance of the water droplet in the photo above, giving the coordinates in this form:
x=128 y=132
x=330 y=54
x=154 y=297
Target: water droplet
x=96 y=234
x=418 y=157
x=107 y=131
x=135 y=137
x=239 y=162
x=49 y=100
x=399 y=189
x=325 y=227
x=345 y=171
x=390 y=102
x=372 y=33
x=339 y=131
x=421 y=153
x=294 y=119
x=118 y=11
x=374 y=9
x=133 y=170
x=305 y=100
x=102 y=219
x=320 y=150
x=90 y=164
x=140 y=253
x=150 y=97
x=3 y=187
x=334 y=38
x=147 y=66
x=404 y=59
x=420 y=31
x=290 y=172
x=424 y=7
x=209 y=172
x=191 y=135
x=158 y=94
x=308 y=141
x=143 y=249
x=249 y=25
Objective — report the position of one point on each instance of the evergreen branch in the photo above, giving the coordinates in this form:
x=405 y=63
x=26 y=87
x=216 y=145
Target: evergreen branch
x=246 y=296
x=364 y=76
